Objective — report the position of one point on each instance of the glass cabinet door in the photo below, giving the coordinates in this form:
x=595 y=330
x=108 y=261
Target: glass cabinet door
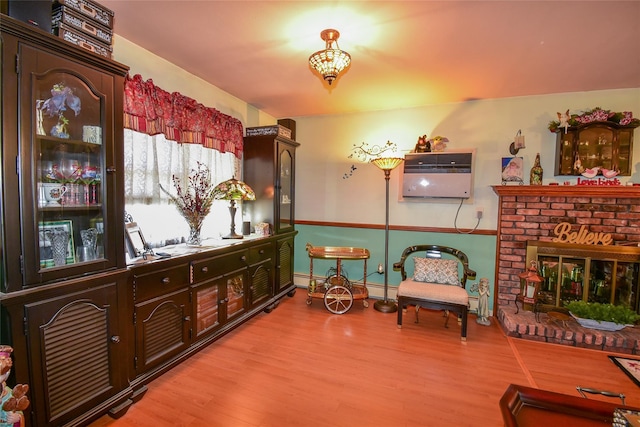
x=286 y=190
x=65 y=159
x=548 y=269
x=235 y=300
x=572 y=279
x=627 y=285
x=601 y=281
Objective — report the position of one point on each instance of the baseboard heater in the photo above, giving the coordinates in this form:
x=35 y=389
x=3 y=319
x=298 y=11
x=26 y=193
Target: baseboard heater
x=437 y=174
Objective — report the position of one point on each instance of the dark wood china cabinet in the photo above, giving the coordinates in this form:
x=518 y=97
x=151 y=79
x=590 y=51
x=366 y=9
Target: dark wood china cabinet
x=63 y=267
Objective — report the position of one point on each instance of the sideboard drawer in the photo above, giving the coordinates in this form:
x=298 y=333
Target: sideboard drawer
x=151 y=285
x=260 y=253
x=216 y=266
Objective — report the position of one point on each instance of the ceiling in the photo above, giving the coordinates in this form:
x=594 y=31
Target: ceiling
x=404 y=53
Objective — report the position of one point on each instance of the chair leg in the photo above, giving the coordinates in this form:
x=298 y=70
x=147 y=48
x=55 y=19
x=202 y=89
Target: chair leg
x=417 y=310
x=446 y=318
x=463 y=329
x=400 y=310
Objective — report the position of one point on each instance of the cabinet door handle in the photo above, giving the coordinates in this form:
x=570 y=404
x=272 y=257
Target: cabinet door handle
x=166 y=280
x=115 y=339
x=187 y=318
x=205 y=269
x=261 y=251
x=111 y=169
x=243 y=258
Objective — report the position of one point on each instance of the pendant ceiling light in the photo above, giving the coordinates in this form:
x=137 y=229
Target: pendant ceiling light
x=330 y=61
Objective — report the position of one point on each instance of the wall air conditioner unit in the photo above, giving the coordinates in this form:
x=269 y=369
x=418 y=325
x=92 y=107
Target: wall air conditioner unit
x=438 y=174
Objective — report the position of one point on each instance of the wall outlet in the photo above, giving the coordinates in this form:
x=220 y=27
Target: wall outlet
x=479 y=212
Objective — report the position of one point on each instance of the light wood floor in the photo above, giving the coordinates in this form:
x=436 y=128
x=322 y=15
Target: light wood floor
x=303 y=366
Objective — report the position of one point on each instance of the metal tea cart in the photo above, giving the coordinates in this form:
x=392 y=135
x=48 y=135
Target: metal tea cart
x=337 y=291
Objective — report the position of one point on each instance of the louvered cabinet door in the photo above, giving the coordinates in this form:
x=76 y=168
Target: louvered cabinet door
x=284 y=270
x=75 y=353
x=261 y=260
x=163 y=327
x=260 y=283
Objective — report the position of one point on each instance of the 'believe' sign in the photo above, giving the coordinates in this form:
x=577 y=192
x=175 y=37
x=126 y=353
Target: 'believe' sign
x=583 y=236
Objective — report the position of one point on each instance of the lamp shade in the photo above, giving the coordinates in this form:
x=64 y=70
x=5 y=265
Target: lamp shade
x=387 y=163
x=232 y=189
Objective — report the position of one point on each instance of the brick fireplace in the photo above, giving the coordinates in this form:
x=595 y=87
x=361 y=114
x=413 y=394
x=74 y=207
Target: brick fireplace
x=531 y=213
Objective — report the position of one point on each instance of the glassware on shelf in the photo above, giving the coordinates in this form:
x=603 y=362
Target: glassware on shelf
x=70 y=170
x=59 y=238
x=89 y=239
x=88 y=177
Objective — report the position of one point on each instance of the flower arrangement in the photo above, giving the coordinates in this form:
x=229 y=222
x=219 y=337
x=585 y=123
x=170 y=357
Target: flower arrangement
x=194 y=201
x=597 y=114
x=61 y=98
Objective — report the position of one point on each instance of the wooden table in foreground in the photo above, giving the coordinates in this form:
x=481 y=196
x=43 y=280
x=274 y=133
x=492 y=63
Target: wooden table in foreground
x=526 y=406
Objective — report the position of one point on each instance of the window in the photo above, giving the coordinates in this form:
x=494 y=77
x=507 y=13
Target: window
x=151 y=161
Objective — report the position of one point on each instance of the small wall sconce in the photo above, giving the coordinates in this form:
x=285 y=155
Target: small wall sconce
x=517 y=144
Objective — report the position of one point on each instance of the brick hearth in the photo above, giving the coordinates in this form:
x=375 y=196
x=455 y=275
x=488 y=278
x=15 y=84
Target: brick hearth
x=531 y=213
x=524 y=325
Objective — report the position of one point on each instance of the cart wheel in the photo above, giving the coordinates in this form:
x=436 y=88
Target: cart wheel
x=338 y=299
x=365 y=303
x=309 y=300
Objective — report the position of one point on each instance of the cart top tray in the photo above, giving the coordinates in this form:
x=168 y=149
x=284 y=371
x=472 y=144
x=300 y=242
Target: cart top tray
x=335 y=252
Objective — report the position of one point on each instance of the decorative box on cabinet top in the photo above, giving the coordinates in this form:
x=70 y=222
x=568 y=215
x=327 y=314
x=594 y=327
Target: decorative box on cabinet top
x=277 y=130
x=88 y=8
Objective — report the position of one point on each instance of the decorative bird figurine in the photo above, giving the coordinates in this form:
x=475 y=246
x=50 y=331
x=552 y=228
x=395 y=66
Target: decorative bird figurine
x=591 y=173
x=609 y=173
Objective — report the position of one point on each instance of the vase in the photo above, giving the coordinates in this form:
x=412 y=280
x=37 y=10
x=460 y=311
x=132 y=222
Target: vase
x=535 y=177
x=59 y=239
x=194 y=234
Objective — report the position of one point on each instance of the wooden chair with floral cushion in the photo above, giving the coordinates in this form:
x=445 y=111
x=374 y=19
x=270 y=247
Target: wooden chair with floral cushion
x=437 y=282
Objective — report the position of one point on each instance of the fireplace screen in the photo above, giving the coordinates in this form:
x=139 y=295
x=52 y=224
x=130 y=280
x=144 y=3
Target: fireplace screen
x=571 y=272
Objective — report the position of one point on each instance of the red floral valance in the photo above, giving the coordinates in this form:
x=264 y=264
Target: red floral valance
x=151 y=110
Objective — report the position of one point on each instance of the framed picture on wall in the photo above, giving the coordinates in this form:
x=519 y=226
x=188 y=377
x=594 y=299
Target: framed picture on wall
x=512 y=170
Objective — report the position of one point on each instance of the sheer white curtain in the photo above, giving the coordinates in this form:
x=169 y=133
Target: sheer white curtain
x=153 y=160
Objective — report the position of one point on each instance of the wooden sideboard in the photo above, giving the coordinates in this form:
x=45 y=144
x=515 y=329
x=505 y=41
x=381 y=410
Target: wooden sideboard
x=114 y=332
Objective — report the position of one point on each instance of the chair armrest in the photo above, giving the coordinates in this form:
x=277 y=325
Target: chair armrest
x=471 y=274
x=397 y=266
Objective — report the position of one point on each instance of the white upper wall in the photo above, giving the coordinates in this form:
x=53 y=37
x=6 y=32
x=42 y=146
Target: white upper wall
x=488 y=126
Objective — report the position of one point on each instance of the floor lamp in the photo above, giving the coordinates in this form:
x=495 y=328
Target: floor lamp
x=387 y=164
